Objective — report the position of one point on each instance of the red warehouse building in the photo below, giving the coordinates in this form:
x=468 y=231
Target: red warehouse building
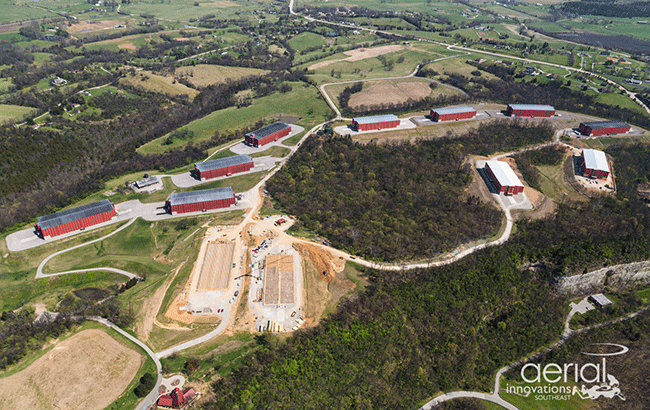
x=376 y=122
x=604 y=127
x=75 y=219
x=267 y=134
x=503 y=177
x=215 y=168
x=200 y=201
x=595 y=164
x=530 y=110
x=452 y=113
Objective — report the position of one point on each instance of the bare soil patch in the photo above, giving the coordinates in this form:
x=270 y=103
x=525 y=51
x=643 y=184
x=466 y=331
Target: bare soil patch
x=390 y=92
x=324 y=262
x=87 y=371
x=359 y=54
x=91 y=25
x=126 y=46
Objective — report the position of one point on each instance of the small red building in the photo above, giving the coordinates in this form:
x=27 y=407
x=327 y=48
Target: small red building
x=604 y=127
x=530 y=110
x=200 y=201
x=594 y=163
x=503 y=177
x=375 y=122
x=165 y=401
x=220 y=167
x=452 y=113
x=267 y=134
x=75 y=219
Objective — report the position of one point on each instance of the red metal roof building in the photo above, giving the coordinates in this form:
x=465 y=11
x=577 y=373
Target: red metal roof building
x=375 y=122
x=220 y=167
x=75 y=219
x=503 y=177
x=604 y=128
x=200 y=201
x=530 y=110
x=452 y=113
x=595 y=164
x=178 y=397
x=165 y=401
x=188 y=393
x=267 y=134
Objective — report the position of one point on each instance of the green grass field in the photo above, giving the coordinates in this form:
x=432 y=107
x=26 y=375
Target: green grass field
x=306 y=40
x=14 y=112
x=302 y=102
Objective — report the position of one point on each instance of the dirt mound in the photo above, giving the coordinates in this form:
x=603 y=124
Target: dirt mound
x=325 y=263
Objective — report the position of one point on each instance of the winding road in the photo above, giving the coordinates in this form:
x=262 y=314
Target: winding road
x=255 y=201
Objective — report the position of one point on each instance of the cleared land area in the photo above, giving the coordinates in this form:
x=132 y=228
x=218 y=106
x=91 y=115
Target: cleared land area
x=203 y=75
x=215 y=271
x=10 y=112
x=390 y=92
x=87 y=371
x=278 y=280
x=359 y=54
x=159 y=83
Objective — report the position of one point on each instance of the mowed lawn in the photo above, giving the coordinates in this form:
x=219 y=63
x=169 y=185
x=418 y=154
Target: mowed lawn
x=306 y=40
x=302 y=102
x=10 y=112
x=203 y=75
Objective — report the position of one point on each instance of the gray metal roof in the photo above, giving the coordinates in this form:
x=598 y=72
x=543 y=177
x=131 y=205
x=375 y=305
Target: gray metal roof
x=601 y=299
x=504 y=174
x=595 y=125
x=74 y=214
x=146 y=182
x=453 y=110
x=534 y=107
x=376 y=118
x=223 y=162
x=191 y=197
x=268 y=130
x=595 y=159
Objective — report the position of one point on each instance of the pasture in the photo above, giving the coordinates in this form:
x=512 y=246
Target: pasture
x=302 y=102
x=203 y=75
x=10 y=112
x=159 y=83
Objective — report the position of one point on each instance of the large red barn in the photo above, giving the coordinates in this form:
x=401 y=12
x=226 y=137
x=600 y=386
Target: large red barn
x=75 y=219
x=604 y=127
x=267 y=134
x=530 y=110
x=595 y=163
x=503 y=177
x=215 y=168
x=200 y=201
x=375 y=122
x=452 y=113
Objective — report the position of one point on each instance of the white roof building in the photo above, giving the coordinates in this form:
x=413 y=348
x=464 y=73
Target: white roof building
x=595 y=160
x=504 y=174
